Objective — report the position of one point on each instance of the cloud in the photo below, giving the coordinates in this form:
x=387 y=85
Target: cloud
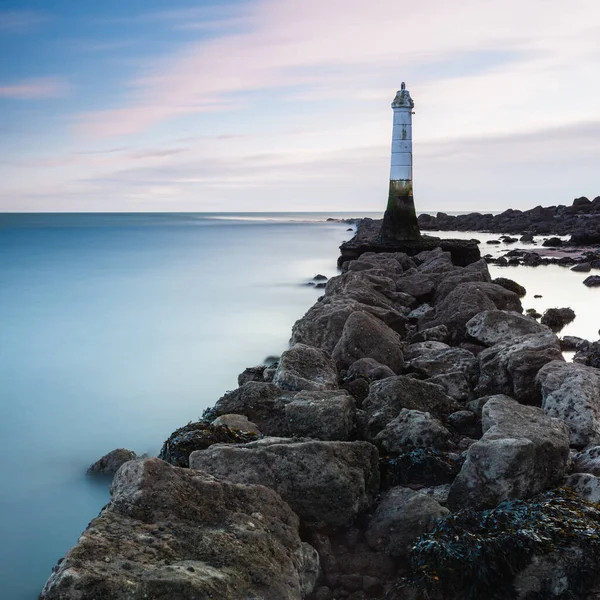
x=315 y=51
x=35 y=89
x=21 y=21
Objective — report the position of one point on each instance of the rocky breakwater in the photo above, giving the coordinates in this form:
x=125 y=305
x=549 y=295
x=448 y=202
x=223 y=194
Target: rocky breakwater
x=580 y=220
x=421 y=438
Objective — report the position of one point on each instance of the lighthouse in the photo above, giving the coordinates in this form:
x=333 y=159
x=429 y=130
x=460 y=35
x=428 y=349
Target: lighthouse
x=400 y=219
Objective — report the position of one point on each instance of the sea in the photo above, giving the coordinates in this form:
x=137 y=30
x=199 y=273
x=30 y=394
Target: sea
x=116 y=329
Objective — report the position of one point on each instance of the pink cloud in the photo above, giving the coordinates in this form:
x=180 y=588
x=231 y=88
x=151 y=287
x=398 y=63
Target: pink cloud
x=35 y=89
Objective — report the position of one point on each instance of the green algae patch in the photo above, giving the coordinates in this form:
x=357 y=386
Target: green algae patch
x=472 y=554
x=198 y=436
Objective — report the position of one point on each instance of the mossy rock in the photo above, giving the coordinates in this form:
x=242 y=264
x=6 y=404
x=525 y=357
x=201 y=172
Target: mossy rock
x=199 y=436
x=472 y=554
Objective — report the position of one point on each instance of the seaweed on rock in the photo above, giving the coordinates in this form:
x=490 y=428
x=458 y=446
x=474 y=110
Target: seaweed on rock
x=199 y=436
x=425 y=466
x=477 y=554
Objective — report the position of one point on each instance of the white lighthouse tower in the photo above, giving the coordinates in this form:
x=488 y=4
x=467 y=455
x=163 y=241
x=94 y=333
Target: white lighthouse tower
x=400 y=220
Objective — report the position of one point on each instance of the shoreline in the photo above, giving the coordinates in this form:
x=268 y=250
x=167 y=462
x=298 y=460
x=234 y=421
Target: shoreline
x=320 y=410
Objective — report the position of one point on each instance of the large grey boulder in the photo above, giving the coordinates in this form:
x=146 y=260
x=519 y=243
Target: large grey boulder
x=413 y=429
x=464 y=302
x=455 y=384
x=327 y=484
x=401 y=517
x=511 y=367
x=417 y=285
x=303 y=367
x=364 y=336
x=476 y=272
x=491 y=327
x=324 y=322
x=239 y=422
x=262 y=403
x=110 y=463
x=521 y=453
x=174 y=533
x=571 y=392
x=321 y=415
x=389 y=396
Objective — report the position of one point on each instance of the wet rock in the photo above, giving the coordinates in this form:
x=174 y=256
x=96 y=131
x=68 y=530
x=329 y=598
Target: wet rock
x=413 y=429
x=571 y=342
x=184 y=534
x=510 y=285
x=592 y=281
x=526 y=237
x=587 y=461
x=584 y=267
x=510 y=367
x=321 y=415
x=240 y=422
x=588 y=355
x=424 y=467
x=557 y=318
x=198 y=436
x=491 y=327
x=111 y=462
x=466 y=423
x=319 y=277
x=303 y=367
x=571 y=392
x=370 y=369
x=252 y=374
x=327 y=484
x=401 y=517
x=262 y=403
x=586 y=486
x=553 y=242
x=455 y=384
x=522 y=452
x=364 y=336
x=389 y=396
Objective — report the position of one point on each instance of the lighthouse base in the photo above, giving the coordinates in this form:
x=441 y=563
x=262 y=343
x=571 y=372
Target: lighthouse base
x=400 y=219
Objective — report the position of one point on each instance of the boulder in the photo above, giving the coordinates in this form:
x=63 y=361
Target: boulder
x=491 y=327
x=262 y=403
x=557 y=318
x=401 y=517
x=364 y=336
x=439 y=333
x=571 y=392
x=510 y=367
x=111 y=462
x=240 y=422
x=174 y=533
x=455 y=384
x=510 y=285
x=464 y=302
x=251 y=374
x=303 y=367
x=424 y=349
x=521 y=453
x=323 y=324
x=466 y=423
x=586 y=486
x=327 y=484
x=370 y=369
x=447 y=360
x=587 y=461
x=584 y=267
x=198 y=436
x=321 y=415
x=475 y=272
x=419 y=286
x=592 y=280
x=389 y=396
x=419 y=312
x=413 y=429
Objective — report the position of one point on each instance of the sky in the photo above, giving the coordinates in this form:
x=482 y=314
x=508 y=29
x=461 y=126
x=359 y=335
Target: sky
x=284 y=105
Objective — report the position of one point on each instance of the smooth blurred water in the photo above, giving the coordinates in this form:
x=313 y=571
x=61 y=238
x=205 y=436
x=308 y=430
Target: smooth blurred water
x=117 y=329
x=114 y=331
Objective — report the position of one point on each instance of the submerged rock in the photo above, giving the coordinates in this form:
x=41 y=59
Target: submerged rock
x=111 y=462
x=327 y=484
x=511 y=285
x=174 y=533
x=557 y=318
x=522 y=452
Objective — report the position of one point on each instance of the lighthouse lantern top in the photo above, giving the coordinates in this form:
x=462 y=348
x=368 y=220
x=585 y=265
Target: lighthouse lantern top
x=403 y=99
